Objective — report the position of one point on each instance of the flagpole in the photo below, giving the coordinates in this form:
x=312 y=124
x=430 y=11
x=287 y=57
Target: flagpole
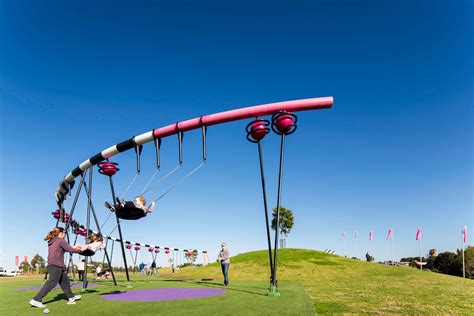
x=372 y=248
x=391 y=247
x=462 y=249
x=421 y=260
x=345 y=254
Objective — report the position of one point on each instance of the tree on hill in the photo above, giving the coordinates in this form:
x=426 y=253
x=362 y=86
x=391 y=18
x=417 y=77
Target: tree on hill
x=286 y=223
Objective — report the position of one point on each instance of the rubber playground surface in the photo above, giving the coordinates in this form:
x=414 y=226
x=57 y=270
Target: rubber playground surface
x=159 y=296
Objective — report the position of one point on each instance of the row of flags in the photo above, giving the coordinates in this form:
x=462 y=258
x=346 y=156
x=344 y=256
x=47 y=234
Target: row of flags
x=390 y=234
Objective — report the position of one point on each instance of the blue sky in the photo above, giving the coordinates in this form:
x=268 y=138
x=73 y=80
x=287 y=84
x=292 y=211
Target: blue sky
x=395 y=151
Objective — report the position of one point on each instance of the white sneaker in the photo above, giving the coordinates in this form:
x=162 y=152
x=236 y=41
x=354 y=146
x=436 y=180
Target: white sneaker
x=73 y=300
x=36 y=304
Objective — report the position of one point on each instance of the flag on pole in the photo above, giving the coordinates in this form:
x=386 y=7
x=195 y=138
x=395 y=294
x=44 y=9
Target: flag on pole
x=464 y=234
x=356 y=233
x=418 y=233
x=17 y=261
x=390 y=234
x=371 y=235
x=344 y=235
x=25 y=260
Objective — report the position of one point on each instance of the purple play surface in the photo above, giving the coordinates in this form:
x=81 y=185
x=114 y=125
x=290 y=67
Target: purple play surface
x=38 y=287
x=163 y=294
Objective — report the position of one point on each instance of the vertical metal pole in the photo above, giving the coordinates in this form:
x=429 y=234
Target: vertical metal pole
x=84 y=284
x=391 y=248
x=180 y=140
x=120 y=231
x=421 y=260
x=89 y=194
x=345 y=254
x=356 y=248
x=73 y=207
x=274 y=288
x=264 y=191
x=372 y=248
x=204 y=130
x=137 y=151
x=462 y=250
x=157 y=152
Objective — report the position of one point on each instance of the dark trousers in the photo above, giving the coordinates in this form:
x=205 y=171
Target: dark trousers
x=225 y=272
x=56 y=275
x=81 y=275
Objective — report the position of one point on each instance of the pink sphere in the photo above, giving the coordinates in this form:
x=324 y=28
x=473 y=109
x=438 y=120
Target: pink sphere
x=129 y=247
x=283 y=123
x=167 y=251
x=258 y=130
x=150 y=249
x=137 y=248
x=157 y=250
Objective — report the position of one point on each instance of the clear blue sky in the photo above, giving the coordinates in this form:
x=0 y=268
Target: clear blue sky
x=395 y=151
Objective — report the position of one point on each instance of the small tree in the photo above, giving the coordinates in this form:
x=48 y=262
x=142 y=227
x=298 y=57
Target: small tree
x=286 y=221
x=38 y=263
x=24 y=266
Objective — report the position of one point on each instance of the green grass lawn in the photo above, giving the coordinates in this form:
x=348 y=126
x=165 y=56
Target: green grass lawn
x=310 y=282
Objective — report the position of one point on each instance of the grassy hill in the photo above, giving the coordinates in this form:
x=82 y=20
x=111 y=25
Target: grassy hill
x=340 y=285
x=310 y=282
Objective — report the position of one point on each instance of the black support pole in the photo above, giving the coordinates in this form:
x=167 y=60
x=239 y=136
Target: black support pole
x=120 y=232
x=98 y=229
x=180 y=140
x=274 y=288
x=204 y=154
x=88 y=225
x=264 y=191
x=73 y=207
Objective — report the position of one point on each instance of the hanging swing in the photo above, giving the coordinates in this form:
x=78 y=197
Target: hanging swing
x=129 y=210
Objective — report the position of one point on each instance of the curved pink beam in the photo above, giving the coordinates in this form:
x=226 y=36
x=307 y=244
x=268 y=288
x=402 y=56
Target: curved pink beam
x=248 y=112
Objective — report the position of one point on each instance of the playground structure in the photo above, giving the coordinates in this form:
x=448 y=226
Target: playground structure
x=283 y=123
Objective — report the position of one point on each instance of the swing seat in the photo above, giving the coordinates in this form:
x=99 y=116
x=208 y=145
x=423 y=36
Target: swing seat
x=129 y=211
x=87 y=253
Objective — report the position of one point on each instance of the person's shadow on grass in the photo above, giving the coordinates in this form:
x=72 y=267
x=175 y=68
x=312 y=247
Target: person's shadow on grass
x=62 y=296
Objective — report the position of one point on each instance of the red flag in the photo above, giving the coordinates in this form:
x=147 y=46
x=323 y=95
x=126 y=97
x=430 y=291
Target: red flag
x=25 y=260
x=418 y=233
x=464 y=234
x=371 y=235
x=390 y=234
x=17 y=261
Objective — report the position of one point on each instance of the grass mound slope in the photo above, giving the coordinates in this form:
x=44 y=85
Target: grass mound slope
x=340 y=285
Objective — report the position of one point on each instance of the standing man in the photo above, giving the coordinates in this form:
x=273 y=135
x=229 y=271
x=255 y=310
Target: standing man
x=224 y=258
x=81 y=267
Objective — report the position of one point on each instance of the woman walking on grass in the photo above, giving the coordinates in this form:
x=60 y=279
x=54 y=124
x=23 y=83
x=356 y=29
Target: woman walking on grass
x=57 y=246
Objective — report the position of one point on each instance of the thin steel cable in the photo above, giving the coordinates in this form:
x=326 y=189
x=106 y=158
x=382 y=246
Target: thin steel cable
x=180 y=181
x=161 y=179
x=129 y=185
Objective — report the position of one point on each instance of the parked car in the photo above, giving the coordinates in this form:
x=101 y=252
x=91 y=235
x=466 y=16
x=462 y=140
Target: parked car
x=3 y=272
x=12 y=273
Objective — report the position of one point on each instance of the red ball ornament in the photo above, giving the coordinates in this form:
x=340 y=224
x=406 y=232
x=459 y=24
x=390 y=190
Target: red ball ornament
x=284 y=123
x=258 y=130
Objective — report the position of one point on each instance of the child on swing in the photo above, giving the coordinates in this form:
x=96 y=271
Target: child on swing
x=96 y=242
x=139 y=202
